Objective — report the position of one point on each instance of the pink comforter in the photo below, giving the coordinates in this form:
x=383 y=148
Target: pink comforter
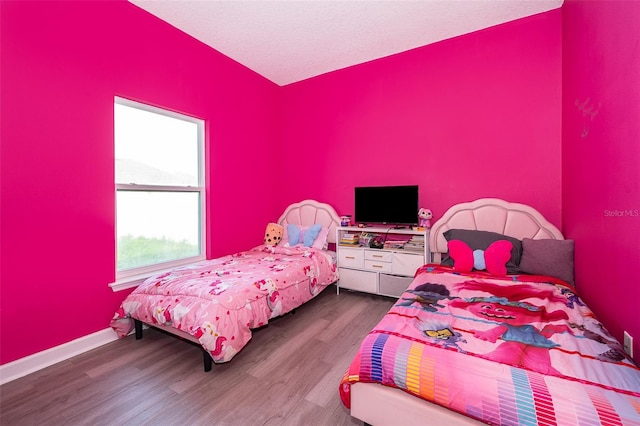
x=219 y=301
x=505 y=350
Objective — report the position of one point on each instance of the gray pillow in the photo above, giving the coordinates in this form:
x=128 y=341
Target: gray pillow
x=548 y=257
x=480 y=240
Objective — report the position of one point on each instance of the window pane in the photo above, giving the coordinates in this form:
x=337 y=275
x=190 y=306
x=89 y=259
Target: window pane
x=154 y=149
x=156 y=227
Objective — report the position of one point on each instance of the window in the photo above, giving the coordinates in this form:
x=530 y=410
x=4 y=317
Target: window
x=159 y=177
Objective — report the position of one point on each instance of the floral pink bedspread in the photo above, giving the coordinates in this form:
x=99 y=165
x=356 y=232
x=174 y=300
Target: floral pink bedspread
x=510 y=351
x=219 y=301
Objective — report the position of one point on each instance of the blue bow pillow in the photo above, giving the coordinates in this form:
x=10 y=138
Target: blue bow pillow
x=297 y=235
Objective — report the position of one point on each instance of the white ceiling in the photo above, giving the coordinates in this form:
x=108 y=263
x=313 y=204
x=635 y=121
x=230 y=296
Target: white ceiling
x=289 y=41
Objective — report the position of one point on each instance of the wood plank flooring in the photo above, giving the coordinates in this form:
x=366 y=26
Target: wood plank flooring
x=288 y=374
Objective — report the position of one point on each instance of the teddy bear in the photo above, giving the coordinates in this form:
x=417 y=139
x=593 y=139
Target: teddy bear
x=424 y=217
x=273 y=234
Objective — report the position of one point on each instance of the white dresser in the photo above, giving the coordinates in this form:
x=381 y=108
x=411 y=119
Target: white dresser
x=387 y=271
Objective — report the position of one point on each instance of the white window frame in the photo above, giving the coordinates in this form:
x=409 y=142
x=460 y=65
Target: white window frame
x=133 y=277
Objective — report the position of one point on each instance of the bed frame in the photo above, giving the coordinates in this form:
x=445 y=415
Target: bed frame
x=304 y=213
x=377 y=404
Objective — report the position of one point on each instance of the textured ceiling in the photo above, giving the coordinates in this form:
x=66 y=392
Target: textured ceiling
x=289 y=41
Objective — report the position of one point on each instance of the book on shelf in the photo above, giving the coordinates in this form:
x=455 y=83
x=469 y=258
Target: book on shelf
x=416 y=244
x=418 y=241
x=394 y=244
x=350 y=240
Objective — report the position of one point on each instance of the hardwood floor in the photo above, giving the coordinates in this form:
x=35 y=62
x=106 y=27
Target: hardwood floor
x=288 y=374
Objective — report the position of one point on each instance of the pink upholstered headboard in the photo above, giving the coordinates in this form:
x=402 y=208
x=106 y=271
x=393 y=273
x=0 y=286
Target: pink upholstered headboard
x=495 y=215
x=309 y=212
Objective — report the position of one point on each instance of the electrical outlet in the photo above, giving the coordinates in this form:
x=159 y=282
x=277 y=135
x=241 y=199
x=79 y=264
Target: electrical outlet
x=628 y=344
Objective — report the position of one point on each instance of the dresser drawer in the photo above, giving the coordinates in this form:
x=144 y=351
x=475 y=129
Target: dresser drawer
x=377 y=255
x=358 y=280
x=351 y=257
x=377 y=266
x=391 y=285
x=406 y=263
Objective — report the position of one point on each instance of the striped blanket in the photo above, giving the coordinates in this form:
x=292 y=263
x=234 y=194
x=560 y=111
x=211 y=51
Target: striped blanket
x=513 y=351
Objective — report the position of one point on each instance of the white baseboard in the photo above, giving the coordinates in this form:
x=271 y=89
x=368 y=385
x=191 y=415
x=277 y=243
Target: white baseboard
x=23 y=366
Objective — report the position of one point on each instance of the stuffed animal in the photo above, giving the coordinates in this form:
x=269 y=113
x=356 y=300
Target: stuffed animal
x=273 y=234
x=424 y=217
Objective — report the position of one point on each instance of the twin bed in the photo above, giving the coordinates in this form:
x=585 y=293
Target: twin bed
x=463 y=346
x=216 y=303
x=492 y=331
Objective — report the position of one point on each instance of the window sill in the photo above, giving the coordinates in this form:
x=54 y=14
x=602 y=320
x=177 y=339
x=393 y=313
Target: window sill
x=129 y=282
x=133 y=281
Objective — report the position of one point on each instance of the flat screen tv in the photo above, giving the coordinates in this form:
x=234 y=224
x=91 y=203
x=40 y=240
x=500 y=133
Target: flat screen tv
x=396 y=205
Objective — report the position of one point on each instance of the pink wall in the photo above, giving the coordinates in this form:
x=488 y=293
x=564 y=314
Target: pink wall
x=474 y=116
x=601 y=156
x=62 y=64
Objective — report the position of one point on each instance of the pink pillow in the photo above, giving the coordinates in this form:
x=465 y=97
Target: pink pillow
x=494 y=259
x=320 y=242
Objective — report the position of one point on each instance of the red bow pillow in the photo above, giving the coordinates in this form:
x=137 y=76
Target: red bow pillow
x=494 y=259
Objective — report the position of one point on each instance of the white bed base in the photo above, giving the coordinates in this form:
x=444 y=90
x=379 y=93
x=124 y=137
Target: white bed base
x=377 y=404
x=303 y=213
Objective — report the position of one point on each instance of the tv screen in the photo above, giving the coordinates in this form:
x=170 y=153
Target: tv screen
x=387 y=204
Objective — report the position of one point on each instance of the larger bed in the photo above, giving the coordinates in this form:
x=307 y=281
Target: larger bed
x=468 y=346
x=216 y=303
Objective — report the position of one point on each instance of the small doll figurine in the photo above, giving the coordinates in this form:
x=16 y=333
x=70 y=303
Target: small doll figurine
x=424 y=217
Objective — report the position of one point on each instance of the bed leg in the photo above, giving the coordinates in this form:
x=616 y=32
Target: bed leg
x=207 y=360
x=138 y=326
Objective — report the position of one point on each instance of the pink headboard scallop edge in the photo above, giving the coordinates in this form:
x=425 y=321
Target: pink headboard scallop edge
x=494 y=215
x=310 y=212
